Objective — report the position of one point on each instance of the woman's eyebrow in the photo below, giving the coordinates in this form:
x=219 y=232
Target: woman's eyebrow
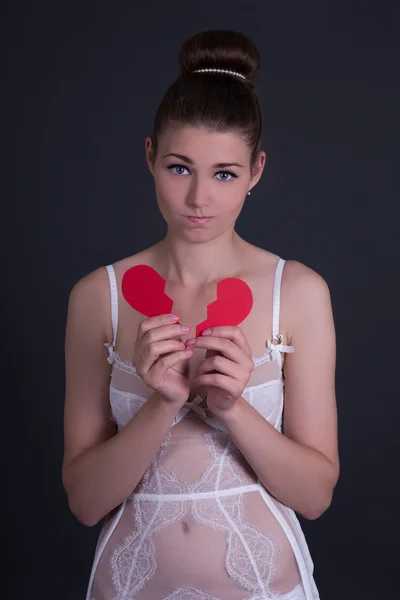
x=216 y=166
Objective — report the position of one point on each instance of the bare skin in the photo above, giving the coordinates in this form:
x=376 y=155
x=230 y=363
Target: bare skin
x=101 y=468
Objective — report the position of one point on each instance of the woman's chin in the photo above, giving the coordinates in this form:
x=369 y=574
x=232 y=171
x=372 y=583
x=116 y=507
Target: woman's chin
x=192 y=233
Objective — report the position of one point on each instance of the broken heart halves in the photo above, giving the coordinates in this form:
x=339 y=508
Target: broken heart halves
x=143 y=289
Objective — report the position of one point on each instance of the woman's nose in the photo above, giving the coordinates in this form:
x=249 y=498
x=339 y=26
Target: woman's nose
x=198 y=195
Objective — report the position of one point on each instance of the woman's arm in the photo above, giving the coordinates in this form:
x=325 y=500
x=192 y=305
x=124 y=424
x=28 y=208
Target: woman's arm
x=301 y=467
x=101 y=467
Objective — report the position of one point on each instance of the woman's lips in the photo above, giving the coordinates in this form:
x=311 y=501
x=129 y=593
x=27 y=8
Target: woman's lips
x=199 y=220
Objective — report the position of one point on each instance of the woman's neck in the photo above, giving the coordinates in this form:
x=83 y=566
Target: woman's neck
x=194 y=264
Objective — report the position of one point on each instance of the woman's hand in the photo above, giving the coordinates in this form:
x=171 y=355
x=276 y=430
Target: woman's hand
x=226 y=368
x=160 y=355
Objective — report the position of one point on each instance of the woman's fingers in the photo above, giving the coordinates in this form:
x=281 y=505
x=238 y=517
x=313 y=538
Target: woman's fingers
x=157 y=336
x=232 y=333
x=220 y=364
x=150 y=323
x=223 y=382
x=150 y=353
x=160 y=327
x=225 y=347
x=170 y=360
x=230 y=367
x=163 y=332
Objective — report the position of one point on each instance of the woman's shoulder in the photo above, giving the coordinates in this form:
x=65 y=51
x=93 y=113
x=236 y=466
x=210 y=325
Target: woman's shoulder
x=300 y=284
x=294 y=272
x=304 y=294
x=98 y=278
x=144 y=257
x=301 y=279
x=89 y=299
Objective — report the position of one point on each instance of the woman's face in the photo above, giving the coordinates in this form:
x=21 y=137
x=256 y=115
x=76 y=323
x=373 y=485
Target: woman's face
x=201 y=178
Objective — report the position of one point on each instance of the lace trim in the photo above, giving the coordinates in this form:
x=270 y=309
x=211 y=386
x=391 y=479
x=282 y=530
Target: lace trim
x=189 y=593
x=129 y=367
x=272 y=353
x=198 y=403
x=201 y=397
x=243 y=489
x=251 y=553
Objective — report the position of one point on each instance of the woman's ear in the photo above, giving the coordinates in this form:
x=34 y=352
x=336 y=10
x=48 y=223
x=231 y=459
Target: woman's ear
x=149 y=154
x=258 y=169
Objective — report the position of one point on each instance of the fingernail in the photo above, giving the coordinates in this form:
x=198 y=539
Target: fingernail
x=173 y=318
x=186 y=328
x=191 y=341
x=189 y=351
x=206 y=332
x=183 y=345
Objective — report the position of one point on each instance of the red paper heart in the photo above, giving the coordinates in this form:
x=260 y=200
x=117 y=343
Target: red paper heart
x=143 y=289
x=233 y=304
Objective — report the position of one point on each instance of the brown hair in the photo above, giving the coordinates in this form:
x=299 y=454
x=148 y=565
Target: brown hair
x=219 y=101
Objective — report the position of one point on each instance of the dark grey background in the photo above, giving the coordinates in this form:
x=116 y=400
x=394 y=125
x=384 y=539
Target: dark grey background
x=82 y=83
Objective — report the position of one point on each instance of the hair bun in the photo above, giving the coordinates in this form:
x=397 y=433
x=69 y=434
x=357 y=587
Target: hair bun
x=220 y=49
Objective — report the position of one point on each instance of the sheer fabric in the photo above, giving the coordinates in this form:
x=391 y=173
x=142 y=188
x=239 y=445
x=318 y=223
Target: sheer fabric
x=200 y=525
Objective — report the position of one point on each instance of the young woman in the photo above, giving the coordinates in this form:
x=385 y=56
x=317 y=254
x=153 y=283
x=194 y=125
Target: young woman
x=214 y=441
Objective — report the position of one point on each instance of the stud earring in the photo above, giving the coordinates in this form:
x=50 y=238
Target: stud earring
x=248 y=193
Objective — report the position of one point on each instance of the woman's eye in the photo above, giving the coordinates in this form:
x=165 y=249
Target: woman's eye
x=226 y=173
x=171 y=167
x=179 y=170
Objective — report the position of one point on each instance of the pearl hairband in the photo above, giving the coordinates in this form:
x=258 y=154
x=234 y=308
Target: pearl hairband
x=219 y=71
